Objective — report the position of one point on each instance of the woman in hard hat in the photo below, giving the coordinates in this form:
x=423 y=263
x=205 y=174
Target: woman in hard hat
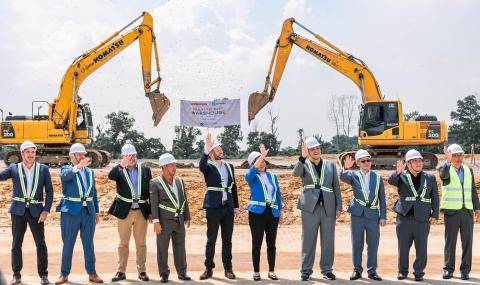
x=264 y=210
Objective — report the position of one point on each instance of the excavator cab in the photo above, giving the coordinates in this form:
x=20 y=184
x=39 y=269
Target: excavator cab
x=84 y=120
x=378 y=117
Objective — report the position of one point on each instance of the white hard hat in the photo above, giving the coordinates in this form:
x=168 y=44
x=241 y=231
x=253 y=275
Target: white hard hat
x=27 y=144
x=311 y=142
x=77 y=148
x=128 y=149
x=214 y=145
x=361 y=153
x=455 y=148
x=252 y=156
x=165 y=159
x=412 y=154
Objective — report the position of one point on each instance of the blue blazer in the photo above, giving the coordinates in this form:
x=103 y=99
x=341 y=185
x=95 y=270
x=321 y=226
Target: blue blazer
x=256 y=192
x=356 y=208
x=44 y=183
x=70 y=189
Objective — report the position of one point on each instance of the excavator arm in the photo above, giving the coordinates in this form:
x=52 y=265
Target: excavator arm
x=346 y=64
x=64 y=111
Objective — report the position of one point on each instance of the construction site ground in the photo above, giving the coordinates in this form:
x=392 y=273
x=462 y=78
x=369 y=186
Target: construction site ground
x=288 y=241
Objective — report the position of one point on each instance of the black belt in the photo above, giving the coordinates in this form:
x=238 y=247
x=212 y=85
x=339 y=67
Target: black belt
x=134 y=209
x=224 y=203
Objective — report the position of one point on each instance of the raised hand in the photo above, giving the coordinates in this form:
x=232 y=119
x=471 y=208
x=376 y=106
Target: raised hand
x=304 y=150
x=84 y=162
x=263 y=151
x=447 y=153
x=348 y=162
x=400 y=166
x=208 y=142
x=125 y=160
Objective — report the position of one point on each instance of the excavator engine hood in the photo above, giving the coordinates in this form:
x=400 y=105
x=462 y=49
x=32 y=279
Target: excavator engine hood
x=256 y=101
x=160 y=104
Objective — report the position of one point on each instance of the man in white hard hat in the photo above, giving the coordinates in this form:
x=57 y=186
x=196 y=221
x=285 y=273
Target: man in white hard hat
x=30 y=181
x=132 y=209
x=459 y=202
x=78 y=212
x=368 y=210
x=220 y=204
x=321 y=204
x=170 y=215
x=416 y=208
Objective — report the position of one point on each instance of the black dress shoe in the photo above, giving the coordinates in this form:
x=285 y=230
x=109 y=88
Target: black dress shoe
x=329 y=276
x=418 y=278
x=143 y=276
x=305 y=276
x=184 y=277
x=208 y=273
x=401 y=276
x=44 y=280
x=119 y=276
x=447 y=274
x=164 y=278
x=355 y=275
x=374 y=276
x=465 y=276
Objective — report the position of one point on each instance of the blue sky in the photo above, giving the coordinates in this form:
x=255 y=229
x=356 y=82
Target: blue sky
x=422 y=52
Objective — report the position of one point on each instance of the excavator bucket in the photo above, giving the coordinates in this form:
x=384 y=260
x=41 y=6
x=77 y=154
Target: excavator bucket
x=160 y=105
x=256 y=101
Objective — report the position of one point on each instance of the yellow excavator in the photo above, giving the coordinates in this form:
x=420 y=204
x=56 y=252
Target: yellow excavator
x=70 y=121
x=381 y=125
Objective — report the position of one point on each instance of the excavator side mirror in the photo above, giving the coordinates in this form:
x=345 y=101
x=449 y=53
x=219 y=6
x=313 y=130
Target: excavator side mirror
x=159 y=103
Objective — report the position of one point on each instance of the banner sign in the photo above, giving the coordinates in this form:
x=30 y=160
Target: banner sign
x=210 y=114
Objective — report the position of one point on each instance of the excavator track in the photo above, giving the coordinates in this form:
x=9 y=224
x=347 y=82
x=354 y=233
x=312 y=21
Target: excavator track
x=387 y=158
x=58 y=156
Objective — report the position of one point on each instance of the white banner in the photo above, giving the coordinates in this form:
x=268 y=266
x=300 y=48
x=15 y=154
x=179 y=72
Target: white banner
x=210 y=114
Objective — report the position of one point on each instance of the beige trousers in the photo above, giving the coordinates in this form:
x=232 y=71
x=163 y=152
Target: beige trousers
x=136 y=222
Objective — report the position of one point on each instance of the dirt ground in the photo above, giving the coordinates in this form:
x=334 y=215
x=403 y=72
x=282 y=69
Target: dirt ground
x=288 y=242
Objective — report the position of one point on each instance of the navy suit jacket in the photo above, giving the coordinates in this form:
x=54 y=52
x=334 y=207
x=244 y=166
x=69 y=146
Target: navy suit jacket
x=44 y=184
x=70 y=189
x=213 y=199
x=356 y=208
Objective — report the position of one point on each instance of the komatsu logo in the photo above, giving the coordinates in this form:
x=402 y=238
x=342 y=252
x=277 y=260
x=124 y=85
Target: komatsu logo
x=104 y=54
x=319 y=54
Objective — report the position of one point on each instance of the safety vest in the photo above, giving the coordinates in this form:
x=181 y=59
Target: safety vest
x=416 y=197
x=224 y=187
x=81 y=197
x=177 y=210
x=29 y=199
x=366 y=203
x=265 y=194
x=317 y=182
x=455 y=195
x=134 y=198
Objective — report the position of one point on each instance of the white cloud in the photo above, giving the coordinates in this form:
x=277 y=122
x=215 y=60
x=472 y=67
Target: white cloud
x=296 y=9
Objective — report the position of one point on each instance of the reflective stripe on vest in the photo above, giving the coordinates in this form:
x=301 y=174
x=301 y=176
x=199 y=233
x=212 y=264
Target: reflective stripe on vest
x=317 y=183
x=177 y=210
x=455 y=195
x=28 y=199
x=265 y=194
x=81 y=197
x=414 y=191
x=223 y=182
x=132 y=190
x=365 y=202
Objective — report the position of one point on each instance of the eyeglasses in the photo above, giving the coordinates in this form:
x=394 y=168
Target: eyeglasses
x=365 y=161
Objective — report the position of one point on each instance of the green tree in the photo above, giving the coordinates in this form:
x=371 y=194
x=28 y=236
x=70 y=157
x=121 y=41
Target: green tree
x=466 y=122
x=229 y=138
x=411 y=116
x=255 y=138
x=183 y=143
x=119 y=131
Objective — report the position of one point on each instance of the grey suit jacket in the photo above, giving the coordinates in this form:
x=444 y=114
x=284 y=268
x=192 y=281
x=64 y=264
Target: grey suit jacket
x=158 y=195
x=309 y=197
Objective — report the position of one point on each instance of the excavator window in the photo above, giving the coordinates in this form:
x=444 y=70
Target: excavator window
x=378 y=117
x=81 y=120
